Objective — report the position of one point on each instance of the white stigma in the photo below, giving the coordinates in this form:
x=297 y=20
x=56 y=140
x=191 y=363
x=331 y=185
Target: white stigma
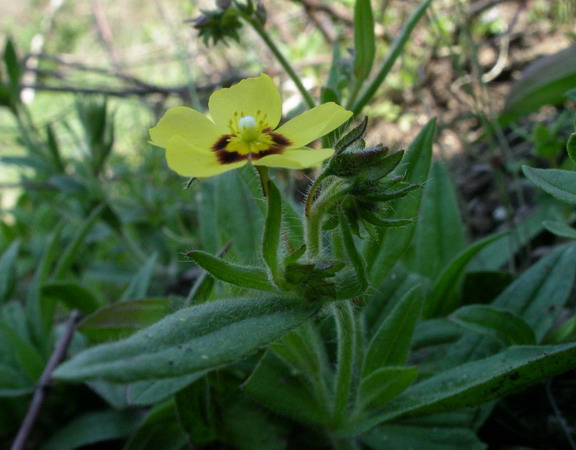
x=247 y=128
x=247 y=123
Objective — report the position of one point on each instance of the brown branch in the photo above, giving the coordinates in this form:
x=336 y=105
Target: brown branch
x=44 y=382
x=334 y=13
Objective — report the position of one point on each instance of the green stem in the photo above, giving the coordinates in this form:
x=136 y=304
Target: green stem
x=259 y=28
x=346 y=332
x=313 y=223
x=311 y=193
x=392 y=56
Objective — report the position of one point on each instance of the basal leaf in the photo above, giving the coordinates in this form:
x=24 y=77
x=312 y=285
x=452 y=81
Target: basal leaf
x=476 y=383
x=498 y=323
x=383 y=385
x=391 y=343
x=560 y=184
x=123 y=318
x=193 y=339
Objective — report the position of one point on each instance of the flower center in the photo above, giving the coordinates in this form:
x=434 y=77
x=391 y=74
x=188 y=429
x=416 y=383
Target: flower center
x=249 y=138
x=247 y=128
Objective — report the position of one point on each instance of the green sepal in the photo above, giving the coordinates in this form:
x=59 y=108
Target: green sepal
x=352 y=136
x=369 y=217
x=239 y=275
x=311 y=279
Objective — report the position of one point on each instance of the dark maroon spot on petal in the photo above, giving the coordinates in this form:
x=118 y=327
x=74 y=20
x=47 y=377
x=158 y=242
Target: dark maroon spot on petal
x=221 y=143
x=279 y=140
x=267 y=130
x=274 y=150
x=226 y=157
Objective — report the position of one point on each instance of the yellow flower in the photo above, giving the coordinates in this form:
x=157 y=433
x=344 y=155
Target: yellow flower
x=242 y=129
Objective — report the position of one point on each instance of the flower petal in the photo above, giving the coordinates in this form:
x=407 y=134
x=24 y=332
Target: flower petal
x=185 y=159
x=295 y=159
x=188 y=123
x=315 y=123
x=248 y=96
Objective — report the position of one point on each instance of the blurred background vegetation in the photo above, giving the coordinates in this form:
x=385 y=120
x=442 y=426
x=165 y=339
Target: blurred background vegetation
x=93 y=76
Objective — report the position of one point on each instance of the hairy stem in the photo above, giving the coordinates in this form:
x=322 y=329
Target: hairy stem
x=259 y=28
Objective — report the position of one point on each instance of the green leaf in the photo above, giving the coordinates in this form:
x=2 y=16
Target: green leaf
x=439 y=234
x=138 y=287
x=13 y=68
x=13 y=383
x=544 y=82
x=160 y=429
x=40 y=319
x=445 y=292
x=304 y=350
x=497 y=323
x=124 y=318
x=69 y=253
x=196 y=413
x=148 y=392
x=381 y=256
x=243 y=223
x=272 y=228
x=247 y=427
x=560 y=184
x=571 y=147
x=390 y=345
x=27 y=356
x=201 y=337
x=364 y=39
x=382 y=385
x=393 y=54
x=291 y=397
x=243 y=276
x=560 y=229
x=537 y=296
x=8 y=271
x=73 y=295
x=475 y=383
x=402 y=437
x=94 y=427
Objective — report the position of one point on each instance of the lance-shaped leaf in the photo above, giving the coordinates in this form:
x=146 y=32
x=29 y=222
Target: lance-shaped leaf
x=272 y=227
x=391 y=343
x=384 y=384
x=571 y=147
x=475 y=383
x=243 y=276
x=560 y=229
x=364 y=39
x=501 y=324
x=122 y=319
x=560 y=184
x=444 y=298
x=198 y=338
